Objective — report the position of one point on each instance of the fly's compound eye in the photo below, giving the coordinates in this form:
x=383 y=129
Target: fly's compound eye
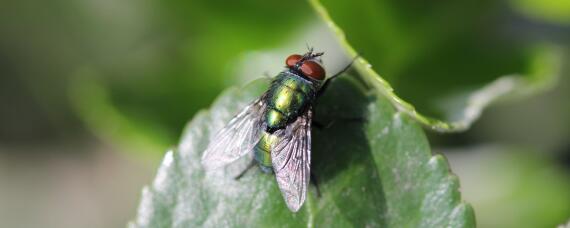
x=312 y=70
x=292 y=60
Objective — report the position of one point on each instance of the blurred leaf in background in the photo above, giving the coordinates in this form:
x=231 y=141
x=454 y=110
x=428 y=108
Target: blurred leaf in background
x=554 y=11
x=431 y=50
x=512 y=186
x=150 y=64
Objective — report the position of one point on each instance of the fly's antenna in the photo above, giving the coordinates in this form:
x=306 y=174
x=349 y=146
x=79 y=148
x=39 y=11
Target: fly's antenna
x=310 y=53
x=309 y=48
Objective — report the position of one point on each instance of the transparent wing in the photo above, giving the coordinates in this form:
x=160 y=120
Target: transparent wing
x=237 y=138
x=291 y=160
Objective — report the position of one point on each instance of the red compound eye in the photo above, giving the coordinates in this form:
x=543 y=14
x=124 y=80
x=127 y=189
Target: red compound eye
x=313 y=70
x=292 y=60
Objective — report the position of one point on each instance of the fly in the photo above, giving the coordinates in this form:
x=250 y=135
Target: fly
x=277 y=128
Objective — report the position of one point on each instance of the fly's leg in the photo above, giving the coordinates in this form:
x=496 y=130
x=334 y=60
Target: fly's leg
x=251 y=165
x=328 y=81
x=315 y=182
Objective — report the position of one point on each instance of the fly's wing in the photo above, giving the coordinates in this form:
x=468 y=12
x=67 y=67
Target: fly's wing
x=237 y=138
x=291 y=160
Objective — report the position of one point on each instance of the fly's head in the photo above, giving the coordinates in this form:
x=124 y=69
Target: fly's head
x=307 y=65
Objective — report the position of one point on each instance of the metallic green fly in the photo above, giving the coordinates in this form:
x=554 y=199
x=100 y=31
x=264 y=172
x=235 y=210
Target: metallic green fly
x=277 y=128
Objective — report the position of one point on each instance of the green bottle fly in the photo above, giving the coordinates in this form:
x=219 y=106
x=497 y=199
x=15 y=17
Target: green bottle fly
x=288 y=97
x=277 y=128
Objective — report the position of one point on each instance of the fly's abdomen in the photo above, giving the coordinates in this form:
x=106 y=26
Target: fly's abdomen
x=289 y=95
x=262 y=151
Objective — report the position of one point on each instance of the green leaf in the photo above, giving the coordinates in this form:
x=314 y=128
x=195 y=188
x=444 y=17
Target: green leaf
x=378 y=172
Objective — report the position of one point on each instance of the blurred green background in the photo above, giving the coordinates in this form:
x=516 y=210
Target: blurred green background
x=94 y=91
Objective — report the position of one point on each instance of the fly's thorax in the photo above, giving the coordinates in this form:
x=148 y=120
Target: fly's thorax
x=289 y=96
